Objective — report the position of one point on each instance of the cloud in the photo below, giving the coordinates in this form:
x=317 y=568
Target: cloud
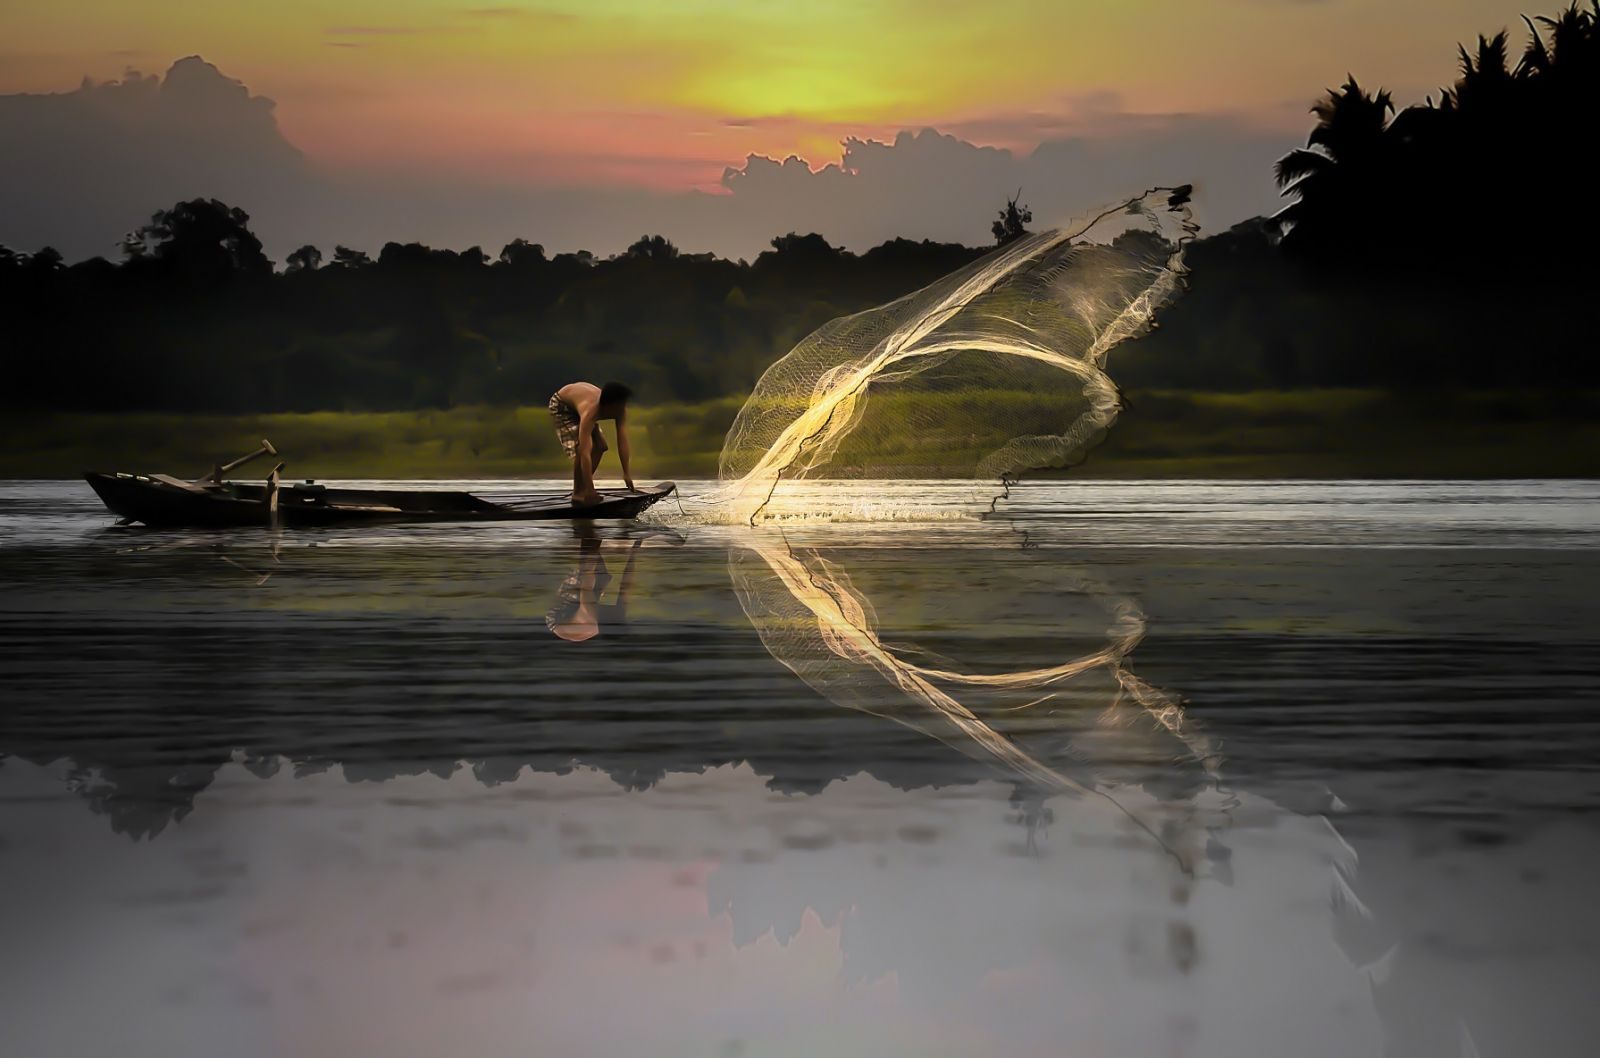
x=941 y=186
x=83 y=167
x=92 y=164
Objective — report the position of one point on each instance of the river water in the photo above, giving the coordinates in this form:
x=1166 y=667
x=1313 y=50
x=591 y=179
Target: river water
x=1127 y=769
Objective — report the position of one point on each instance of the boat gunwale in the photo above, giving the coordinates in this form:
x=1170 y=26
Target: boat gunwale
x=135 y=497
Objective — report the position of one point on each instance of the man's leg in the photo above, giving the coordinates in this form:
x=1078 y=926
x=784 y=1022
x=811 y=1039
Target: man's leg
x=566 y=423
x=597 y=452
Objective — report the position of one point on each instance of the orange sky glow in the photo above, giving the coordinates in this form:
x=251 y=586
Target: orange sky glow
x=664 y=95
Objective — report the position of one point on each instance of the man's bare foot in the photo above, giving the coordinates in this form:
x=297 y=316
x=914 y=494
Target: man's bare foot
x=588 y=498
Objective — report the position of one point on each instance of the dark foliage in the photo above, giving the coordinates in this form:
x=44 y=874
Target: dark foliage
x=1496 y=173
x=1012 y=224
x=1446 y=245
x=305 y=259
x=201 y=241
x=196 y=320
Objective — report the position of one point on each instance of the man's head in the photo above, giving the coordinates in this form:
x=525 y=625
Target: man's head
x=614 y=396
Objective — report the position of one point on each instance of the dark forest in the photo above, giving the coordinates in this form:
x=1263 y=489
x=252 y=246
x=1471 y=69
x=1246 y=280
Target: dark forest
x=1446 y=245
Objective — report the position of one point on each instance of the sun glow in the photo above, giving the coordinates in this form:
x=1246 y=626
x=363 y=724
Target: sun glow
x=663 y=95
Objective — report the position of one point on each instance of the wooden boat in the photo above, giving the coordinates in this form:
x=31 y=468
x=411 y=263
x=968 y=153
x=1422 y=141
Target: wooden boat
x=212 y=502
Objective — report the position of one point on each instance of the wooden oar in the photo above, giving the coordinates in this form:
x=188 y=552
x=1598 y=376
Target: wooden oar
x=272 y=496
x=217 y=472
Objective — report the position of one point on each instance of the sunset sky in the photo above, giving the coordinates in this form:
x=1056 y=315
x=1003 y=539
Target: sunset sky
x=665 y=95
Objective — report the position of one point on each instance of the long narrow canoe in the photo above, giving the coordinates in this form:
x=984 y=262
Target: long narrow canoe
x=160 y=500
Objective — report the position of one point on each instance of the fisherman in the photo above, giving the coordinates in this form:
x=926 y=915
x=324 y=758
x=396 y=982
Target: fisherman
x=578 y=408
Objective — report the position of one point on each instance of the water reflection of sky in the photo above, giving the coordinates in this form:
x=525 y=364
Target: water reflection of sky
x=700 y=915
x=384 y=808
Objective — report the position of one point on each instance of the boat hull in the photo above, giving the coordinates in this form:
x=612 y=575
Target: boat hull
x=156 y=503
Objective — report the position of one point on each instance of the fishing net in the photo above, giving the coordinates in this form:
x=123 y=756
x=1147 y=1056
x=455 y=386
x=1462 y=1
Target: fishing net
x=982 y=376
x=966 y=385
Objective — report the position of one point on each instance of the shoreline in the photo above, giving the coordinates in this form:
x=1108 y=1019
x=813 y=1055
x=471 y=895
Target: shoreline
x=1321 y=434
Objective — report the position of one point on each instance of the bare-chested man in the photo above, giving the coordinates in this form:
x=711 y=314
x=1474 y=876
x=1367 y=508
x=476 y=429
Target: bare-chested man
x=578 y=408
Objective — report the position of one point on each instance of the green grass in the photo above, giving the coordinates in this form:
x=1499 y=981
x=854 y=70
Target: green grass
x=672 y=441
x=1298 y=433
x=1337 y=433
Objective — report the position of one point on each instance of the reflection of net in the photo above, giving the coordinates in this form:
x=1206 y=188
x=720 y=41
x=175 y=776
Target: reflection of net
x=986 y=374
x=1085 y=726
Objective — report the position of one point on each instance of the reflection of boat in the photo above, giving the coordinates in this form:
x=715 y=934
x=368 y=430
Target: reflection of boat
x=163 y=500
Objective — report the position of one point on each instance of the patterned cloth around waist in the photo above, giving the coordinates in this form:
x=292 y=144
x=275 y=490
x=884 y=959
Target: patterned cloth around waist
x=567 y=420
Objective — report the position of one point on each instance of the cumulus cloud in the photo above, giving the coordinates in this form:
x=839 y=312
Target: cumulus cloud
x=937 y=185
x=84 y=167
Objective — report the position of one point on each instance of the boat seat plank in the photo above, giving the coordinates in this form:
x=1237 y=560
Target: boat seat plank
x=179 y=483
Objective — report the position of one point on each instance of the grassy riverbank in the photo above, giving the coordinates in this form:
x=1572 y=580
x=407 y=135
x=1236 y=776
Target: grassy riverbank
x=1167 y=434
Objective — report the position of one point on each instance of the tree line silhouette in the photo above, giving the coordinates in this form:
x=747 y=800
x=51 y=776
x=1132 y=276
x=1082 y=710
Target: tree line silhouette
x=1447 y=245
x=195 y=319
x=1499 y=161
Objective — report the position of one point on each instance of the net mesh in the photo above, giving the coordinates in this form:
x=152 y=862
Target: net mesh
x=989 y=373
x=984 y=375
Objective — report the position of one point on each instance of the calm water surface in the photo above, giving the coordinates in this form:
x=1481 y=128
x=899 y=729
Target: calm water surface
x=1160 y=769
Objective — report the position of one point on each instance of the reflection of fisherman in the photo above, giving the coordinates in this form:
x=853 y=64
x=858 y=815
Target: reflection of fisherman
x=578 y=611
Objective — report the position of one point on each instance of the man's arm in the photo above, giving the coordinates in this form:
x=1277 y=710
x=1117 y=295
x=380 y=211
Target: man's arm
x=622 y=448
x=625 y=585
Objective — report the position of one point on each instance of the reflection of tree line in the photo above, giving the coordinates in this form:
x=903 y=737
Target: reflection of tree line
x=1419 y=249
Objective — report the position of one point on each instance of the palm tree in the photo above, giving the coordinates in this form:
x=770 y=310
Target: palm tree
x=1438 y=184
x=1486 y=79
x=1332 y=177
x=1512 y=136
x=1573 y=42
